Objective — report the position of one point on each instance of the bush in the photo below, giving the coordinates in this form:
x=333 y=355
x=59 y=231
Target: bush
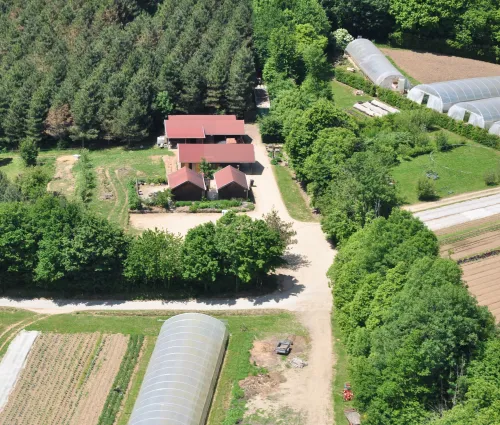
x=134 y=202
x=221 y=204
x=33 y=183
x=442 y=142
x=342 y=38
x=356 y=81
x=490 y=178
x=85 y=177
x=28 y=149
x=156 y=180
x=271 y=129
x=426 y=189
x=162 y=199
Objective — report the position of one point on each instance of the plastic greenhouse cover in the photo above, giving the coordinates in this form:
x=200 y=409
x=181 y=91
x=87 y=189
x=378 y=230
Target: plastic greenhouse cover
x=495 y=128
x=451 y=92
x=483 y=112
x=181 y=375
x=373 y=62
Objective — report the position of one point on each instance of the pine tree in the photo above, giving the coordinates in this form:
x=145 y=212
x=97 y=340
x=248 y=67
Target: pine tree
x=37 y=112
x=15 y=121
x=241 y=80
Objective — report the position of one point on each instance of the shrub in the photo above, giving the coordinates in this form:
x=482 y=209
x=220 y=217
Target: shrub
x=156 y=180
x=426 y=189
x=356 y=81
x=28 y=149
x=442 y=142
x=85 y=177
x=342 y=38
x=271 y=129
x=490 y=178
x=134 y=202
x=162 y=199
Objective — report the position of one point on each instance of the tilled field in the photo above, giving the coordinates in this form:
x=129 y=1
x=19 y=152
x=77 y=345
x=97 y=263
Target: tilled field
x=482 y=277
x=472 y=245
x=430 y=67
x=66 y=380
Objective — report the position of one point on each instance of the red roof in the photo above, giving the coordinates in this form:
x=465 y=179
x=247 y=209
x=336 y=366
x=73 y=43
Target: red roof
x=185 y=175
x=200 y=126
x=201 y=117
x=229 y=175
x=216 y=153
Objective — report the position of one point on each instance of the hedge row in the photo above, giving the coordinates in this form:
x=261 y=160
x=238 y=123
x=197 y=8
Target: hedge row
x=355 y=80
x=134 y=202
x=85 y=177
x=395 y=99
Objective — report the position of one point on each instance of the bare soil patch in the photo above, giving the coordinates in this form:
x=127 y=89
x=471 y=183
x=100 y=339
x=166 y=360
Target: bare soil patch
x=67 y=379
x=472 y=245
x=431 y=67
x=470 y=226
x=63 y=180
x=107 y=191
x=273 y=389
x=170 y=163
x=482 y=280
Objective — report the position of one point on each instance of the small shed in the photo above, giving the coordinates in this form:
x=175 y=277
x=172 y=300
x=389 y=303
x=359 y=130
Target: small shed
x=187 y=185
x=352 y=416
x=231 y=183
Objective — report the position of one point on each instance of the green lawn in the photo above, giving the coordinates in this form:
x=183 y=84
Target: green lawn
x=344 y=96
x=113 y=167
x=11 y=316
x=243 y=329
x=460 y=170
x=291 y=194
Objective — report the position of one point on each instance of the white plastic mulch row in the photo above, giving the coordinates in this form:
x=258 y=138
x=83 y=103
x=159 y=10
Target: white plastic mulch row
x=463 y=212
x=13 y=363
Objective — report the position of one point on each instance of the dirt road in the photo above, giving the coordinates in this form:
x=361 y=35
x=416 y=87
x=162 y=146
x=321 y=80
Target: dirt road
x=304 y=287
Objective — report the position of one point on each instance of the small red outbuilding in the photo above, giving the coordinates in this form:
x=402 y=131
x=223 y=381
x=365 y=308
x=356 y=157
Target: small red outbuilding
x=187 y=185
x=231 y=183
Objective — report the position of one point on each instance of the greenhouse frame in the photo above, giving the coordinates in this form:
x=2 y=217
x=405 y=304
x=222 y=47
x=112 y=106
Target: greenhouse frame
x=442 y=96
x=182 y=373
x=374 y=64
x=481 y=113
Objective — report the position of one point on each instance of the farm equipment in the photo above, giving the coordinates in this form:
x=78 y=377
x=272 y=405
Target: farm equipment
x=284 y=347
x=347 y=393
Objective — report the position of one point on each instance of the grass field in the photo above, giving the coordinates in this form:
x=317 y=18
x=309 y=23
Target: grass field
x=244 y=329
x=460 y=170
x=291 y=194
x=113 y=168
x=344 y=96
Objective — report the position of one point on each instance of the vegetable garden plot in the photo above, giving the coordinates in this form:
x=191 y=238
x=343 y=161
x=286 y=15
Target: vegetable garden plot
x=66 y=380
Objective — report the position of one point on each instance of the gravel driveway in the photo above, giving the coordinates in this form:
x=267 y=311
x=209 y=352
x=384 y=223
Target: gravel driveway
x=304 y=288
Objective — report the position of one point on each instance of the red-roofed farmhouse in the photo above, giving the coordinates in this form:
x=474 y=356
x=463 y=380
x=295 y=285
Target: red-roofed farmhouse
x=187 y=185
x=191 y=156
x=203 y=129
x=231 y=183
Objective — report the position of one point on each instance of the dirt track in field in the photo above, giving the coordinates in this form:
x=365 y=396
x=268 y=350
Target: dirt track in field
x=473 y=245
x=63 y=180
x=431 y=67
x=66 y=380
x=482 y=279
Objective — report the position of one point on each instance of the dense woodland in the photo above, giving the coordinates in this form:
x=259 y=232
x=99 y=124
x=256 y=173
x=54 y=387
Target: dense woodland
x=464 y=27
x=91 y=69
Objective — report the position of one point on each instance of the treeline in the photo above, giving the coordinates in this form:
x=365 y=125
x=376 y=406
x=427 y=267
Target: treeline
x=419 y=344
x=467 y=28
x=112 y=69
x=57 y=245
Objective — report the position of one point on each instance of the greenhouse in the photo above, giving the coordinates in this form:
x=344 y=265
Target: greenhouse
x=442 y=96
x=495 y=128
x=374 y=64
x=182 y=373
x=481 y=113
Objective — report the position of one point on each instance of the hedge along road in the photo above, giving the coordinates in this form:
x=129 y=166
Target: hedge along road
x=303 y=289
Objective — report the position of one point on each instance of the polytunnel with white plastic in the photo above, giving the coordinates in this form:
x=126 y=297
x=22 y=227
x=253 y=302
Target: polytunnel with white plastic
x=481 y=113
x=495 y=128
x=182 y=373
x=442 y=96
x=374 y=64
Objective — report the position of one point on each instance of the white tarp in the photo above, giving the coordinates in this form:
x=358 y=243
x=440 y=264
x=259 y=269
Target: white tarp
x=13 y=363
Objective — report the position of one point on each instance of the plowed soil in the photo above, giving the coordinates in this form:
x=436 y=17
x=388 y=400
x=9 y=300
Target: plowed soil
x=482 y=277
x=63 y=180
x=473 y=245
x=431 y=67
x=66 y=380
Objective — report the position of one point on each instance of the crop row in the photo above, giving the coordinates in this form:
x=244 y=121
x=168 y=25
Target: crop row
x=121 y=382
